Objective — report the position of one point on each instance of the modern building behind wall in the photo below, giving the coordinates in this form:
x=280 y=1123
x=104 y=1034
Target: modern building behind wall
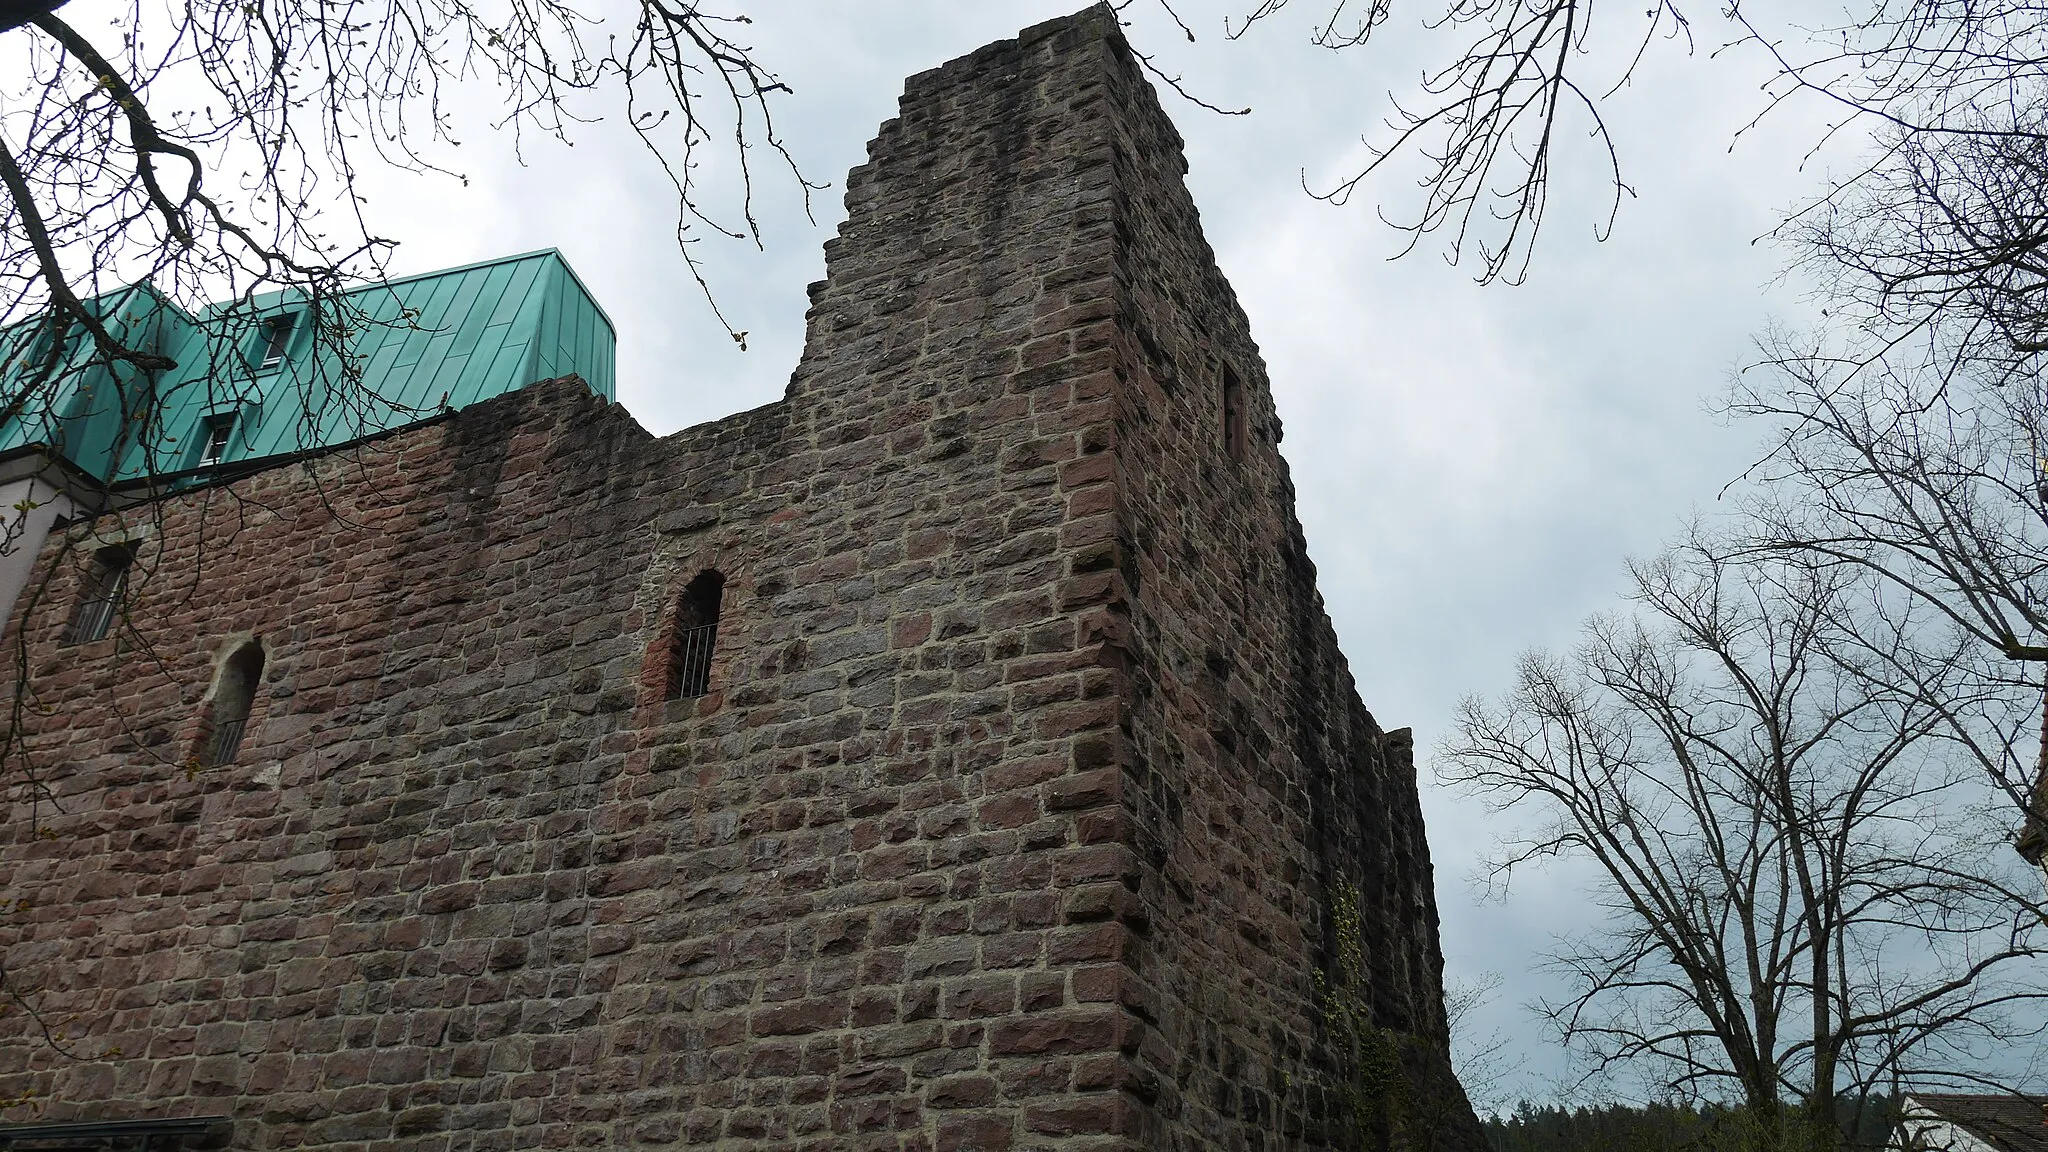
x=254 y=386
x=952 y=755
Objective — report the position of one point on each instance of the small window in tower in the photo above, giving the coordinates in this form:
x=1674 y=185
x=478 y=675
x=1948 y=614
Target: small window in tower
x=105 y=591
x=696 y=635
x=274 y=339
x=232 y=701
x=1233 y=415
x=219 y=432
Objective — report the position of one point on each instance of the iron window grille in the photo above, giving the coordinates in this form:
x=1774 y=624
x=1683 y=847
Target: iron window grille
x=233 y=702
x=227 y=740
x=96 y=615
x=696 y=635
x=691 y=675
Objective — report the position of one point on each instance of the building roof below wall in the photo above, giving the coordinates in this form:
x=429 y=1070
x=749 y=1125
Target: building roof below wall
x=2002 y=1123
x=96 y=1135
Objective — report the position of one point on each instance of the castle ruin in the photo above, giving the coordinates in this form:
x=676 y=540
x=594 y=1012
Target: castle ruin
x=955 y=754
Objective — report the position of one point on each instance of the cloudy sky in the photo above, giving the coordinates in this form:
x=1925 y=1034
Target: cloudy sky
x=1474 y=463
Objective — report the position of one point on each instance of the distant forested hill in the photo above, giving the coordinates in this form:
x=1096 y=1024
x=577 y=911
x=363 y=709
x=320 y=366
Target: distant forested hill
x=1655 y=1128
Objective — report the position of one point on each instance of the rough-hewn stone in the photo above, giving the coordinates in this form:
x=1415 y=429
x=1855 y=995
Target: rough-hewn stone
x=1013 y=818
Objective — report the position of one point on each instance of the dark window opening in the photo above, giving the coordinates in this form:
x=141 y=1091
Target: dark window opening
x=232 y=702
x=274 y=339
x=105 y=590
x=220 y=432
x=1233 y=415
x=696 y=635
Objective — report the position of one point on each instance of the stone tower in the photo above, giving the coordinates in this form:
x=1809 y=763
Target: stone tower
x=1024 y=800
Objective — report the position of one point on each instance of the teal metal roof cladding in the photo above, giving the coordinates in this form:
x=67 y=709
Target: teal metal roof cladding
x=252 y=381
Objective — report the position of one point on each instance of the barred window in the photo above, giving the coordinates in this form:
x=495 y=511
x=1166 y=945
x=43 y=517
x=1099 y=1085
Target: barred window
x=232 y=701
x=696 y=635
x=105 y=590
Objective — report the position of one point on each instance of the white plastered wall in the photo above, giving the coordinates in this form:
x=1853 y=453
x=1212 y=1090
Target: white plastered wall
x=28 y=507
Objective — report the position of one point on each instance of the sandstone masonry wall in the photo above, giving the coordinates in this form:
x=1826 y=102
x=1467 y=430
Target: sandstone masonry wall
x=1012 y=816
x=1260 y=787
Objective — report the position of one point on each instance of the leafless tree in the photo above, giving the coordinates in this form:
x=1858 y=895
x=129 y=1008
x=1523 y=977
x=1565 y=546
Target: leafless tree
x=1908 y=435
x=1510 y=78
x=1481 y=1059
x=1791 y=848
x=1941 y=251
x=1923 y=471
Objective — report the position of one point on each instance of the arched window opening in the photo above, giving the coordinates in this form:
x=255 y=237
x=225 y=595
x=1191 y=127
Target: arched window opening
x=105 y=590
x=232 y=701
x=696 y=634
x=1233 y=415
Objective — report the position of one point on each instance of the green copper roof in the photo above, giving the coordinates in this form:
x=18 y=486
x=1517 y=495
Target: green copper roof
x=253 y=382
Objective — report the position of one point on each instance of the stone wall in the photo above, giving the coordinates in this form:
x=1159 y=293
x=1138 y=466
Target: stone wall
x=1011 y=819
x=1260 y=787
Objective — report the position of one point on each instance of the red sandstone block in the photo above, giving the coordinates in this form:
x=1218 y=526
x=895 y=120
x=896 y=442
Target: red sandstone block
x=1008 y=811
x=980 y=996
x=1018 y=873
x=1025 y=1079
x=1105 y=625
x=1070 y=719
x=1086 y=790
x=1091 y=589
x=1095 y=749
x=1099 y=468
x=1096 y=1115
x=1016 y=610
x=910 y=631
x=893 y=862
x=800 y=1017
x=1035 y=909
x=1095 y=863
x=1104 y=826
x=449 y=898
x=1014 y=774
x=870 y=1082
x=927 y=543
x=1089 y=501
x=1080 y=945
x=1073 y=1030
x=1041 y=991
x=961 y=1092
x=976 y=1132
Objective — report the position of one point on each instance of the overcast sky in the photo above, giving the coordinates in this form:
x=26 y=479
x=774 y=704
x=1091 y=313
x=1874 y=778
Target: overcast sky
x=1474 y=464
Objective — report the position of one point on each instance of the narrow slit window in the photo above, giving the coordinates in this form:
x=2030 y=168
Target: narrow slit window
x=105 y=591
x=1233 y=415
x=232 y=702
x=696 y=635
x=274 y=339
x=218 y=433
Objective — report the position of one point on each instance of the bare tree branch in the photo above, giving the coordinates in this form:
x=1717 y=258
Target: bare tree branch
x=1789 y=836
